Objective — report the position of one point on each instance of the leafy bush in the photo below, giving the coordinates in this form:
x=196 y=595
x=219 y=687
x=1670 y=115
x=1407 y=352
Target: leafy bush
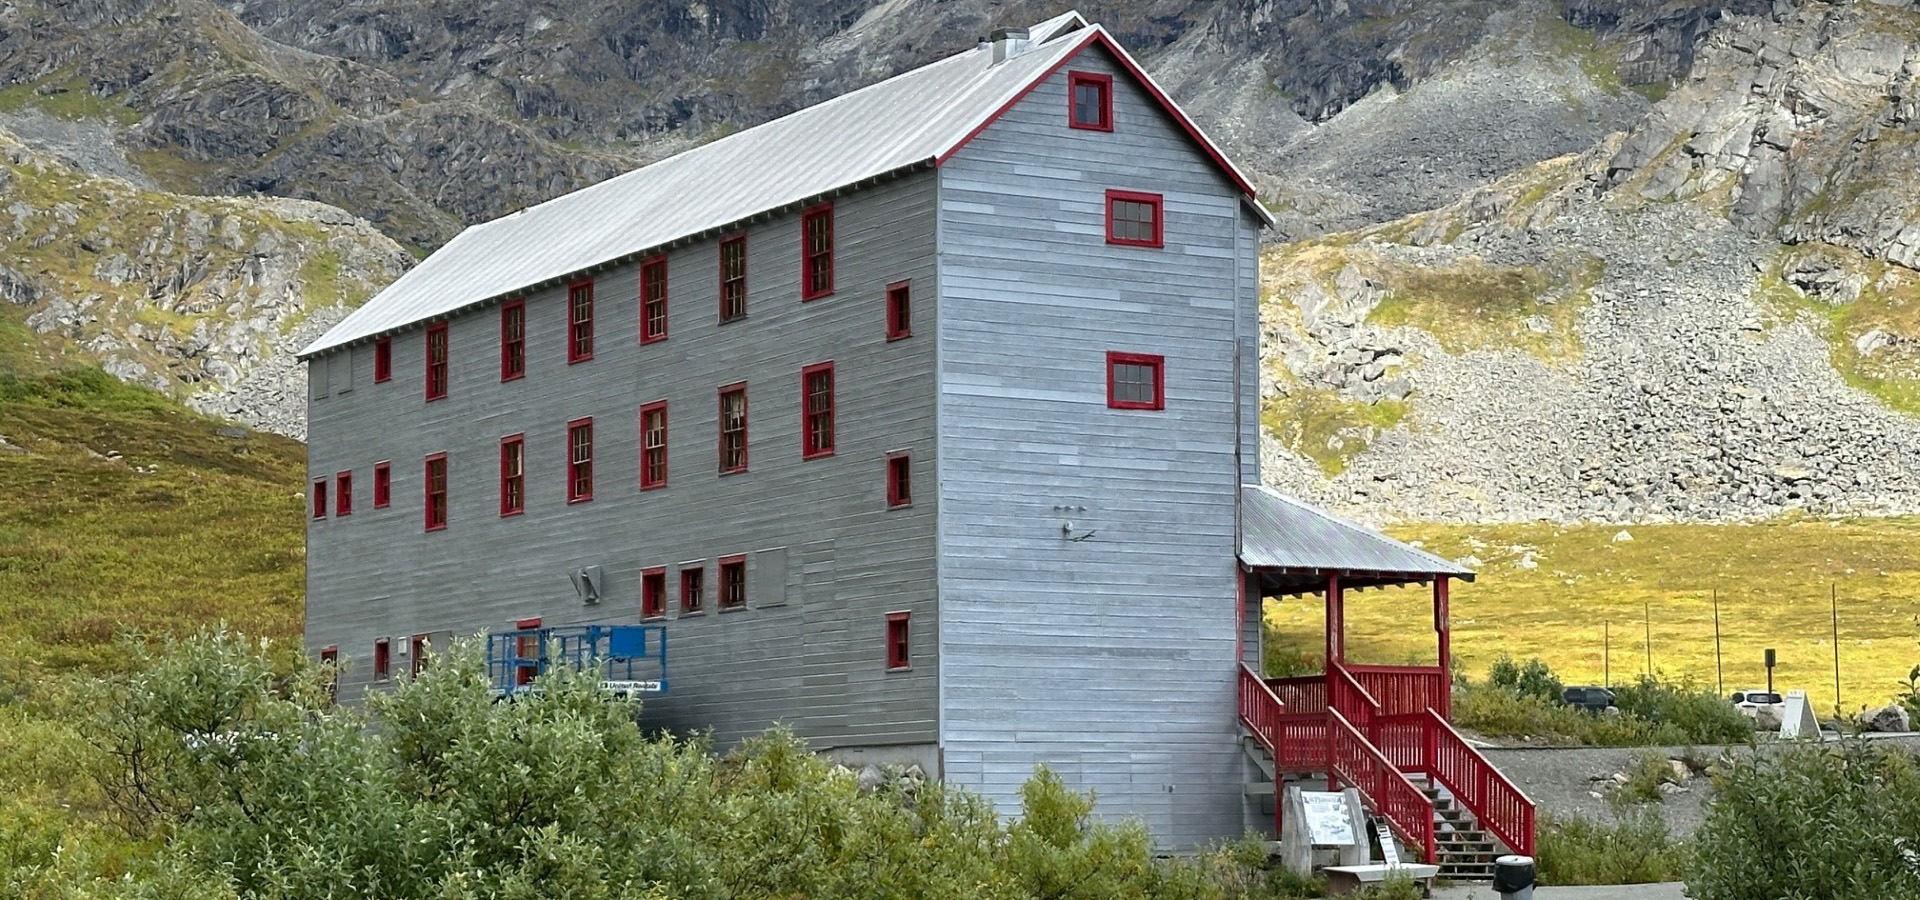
x=1529 y=679
x=1811 y=822
x=1683 y=713
x=1635 y=848
x=1645 y=774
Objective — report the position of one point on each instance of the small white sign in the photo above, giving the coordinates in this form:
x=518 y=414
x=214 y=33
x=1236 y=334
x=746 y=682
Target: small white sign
x=1389 y=850
x=1327 y=820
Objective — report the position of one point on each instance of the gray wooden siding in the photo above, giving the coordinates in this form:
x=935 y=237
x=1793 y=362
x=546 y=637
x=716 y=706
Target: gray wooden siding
x=1088 y=604
x=826 y=558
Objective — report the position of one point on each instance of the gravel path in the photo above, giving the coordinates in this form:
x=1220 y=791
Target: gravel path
x=1666 y=891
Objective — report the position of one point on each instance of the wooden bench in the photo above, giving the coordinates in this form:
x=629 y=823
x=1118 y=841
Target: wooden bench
x=1350 y=879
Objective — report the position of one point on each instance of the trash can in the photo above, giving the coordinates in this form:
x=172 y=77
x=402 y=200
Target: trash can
x=1513 y=877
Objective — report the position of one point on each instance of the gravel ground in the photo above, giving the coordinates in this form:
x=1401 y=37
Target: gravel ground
x=1667 y=891
x=1558 y=780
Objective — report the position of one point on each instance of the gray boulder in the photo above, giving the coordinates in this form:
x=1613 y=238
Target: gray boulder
x=1885 y=719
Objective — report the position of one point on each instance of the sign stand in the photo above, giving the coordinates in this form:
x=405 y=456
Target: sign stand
x=1798 y=723
x=1322 y=820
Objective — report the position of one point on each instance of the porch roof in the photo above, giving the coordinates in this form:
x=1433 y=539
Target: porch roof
x=1294 y=547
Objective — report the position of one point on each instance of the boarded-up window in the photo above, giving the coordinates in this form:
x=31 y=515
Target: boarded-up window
x=769 y=586
x=733 y=428
x=653 y=446
x=733 y=278
x=318 y=377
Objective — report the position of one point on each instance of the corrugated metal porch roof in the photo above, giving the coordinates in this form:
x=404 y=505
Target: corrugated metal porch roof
x=1278 y=532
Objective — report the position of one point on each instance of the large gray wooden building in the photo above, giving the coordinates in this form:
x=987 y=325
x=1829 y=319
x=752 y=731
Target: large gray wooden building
x=919 y=418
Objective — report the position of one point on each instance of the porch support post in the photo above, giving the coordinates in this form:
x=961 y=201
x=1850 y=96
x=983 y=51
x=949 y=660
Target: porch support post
x=1336 y=621
x=1443 y=629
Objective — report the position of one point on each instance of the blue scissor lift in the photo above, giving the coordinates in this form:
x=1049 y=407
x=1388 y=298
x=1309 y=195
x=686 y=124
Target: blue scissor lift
x=631 y=659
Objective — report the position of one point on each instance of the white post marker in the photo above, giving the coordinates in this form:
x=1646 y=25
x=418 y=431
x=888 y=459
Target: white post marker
x=1798 y=721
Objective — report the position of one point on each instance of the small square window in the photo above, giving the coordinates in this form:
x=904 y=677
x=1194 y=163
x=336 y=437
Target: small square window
x=653 y=300
x=693 y=589
x=580 y=321
x=436 y=492
x=382 y=659
x=653 y=445
x=382 y=360
x=899 y=480
x=733 y=583
x=382 y=485
x=816 y=246
x=1133 y=219
x=343 y=494
x=1136 y=381
x=1090 y=100
x=816 y=410
x=733 y=278
x=899 y=311
x=580 y=460
x=513 y=475
x=437 y=361
x=513 y=340
x=320 y=499
x=899 y=631
x=653 y=593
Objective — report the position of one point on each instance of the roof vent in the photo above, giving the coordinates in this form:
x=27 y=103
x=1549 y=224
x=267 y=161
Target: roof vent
x=1008 y=43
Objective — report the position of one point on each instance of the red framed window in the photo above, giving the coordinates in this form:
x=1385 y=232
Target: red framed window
x=733 y=583
x=382 y=659
x=580 y=321
x=513 y=340
x=330 y=658
x=816 y=406
x=693 y=590
x=382 y=485
x=436 y=361
x=320 y=498
x=653 y=445
x=580 y=460
x=653 y=592
x=733 y=278
x=417 y=655
x=899 y=310
x=382 y=360
x=330 y=653
x=436 y=492
x=1133 y=219
x=1090 y=101
x=899 y=654
x=899 y=480
x=733 y=428
x=816 y=252
x=653 y=300
x=526 y=650
x=1136 y=381
x=343 y=493
x=513 y=475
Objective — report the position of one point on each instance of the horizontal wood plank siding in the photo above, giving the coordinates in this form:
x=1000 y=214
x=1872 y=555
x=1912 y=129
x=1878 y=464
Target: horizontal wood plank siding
x=1088 y=553
x=816 y=533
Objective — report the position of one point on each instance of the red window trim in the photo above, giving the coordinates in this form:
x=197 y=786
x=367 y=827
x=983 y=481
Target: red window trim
x=746 y=424
x=382 y=360
x=809 y=447
x=1074 y=81
x=446 y=490
x=1159 y=364
x=436 y=388
x=647 y=336
x=900 y=315
x=330 y=653
x=896 y=498
x=697 y=592
x=650 y=480
x=574 y=494
x=740 y=239
x=343 y=493
x=417 y=654
x=382 y=484
x=807 y=291
x=899 y=641
x=736 y=562
x=1159 y=218
x=508 y=343
x=507 y=506
x=574 y=352
x=382 y=659
x=527 y=650
x=653 y=592
x=319 y=497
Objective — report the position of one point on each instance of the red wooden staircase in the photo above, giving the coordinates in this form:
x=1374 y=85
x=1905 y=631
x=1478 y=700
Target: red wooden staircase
x=1384 y=731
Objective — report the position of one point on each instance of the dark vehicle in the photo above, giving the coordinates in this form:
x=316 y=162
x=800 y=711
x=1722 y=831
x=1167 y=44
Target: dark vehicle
x=1592 y=699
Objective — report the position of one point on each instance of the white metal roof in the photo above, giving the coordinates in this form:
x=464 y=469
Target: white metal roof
x=1277 y=531
x=913 y=119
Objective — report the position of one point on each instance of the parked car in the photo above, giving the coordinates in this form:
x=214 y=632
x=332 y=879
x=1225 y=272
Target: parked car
x=1751 y=702
x=1588 y=697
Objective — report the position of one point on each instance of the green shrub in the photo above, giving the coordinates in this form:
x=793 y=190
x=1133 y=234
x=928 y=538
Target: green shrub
x=1523 y=700
x=1811 y=822
x=1635 y=848
x=1529 y=679
x=1645 y=774
x=1683 y=713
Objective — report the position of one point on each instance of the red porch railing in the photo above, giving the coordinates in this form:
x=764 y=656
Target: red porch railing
x=1405 y=689
x=1301 y=694
x=1358 y=763
x=1500 y=806
x=1260 y=711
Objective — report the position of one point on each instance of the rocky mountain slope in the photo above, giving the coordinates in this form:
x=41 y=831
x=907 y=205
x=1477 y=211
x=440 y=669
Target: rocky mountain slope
x=1710 y=317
